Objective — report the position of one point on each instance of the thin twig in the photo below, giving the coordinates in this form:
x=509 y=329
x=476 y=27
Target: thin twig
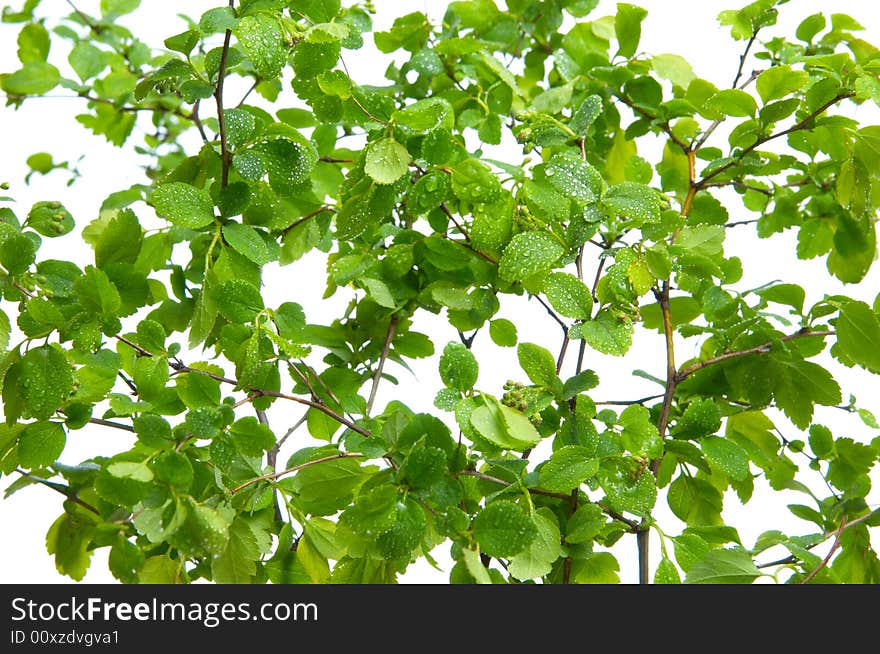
x=110 y=423
x=65 y=490
x=377 y=376
x=225 y=156
x=763 y=348
x=273 y=476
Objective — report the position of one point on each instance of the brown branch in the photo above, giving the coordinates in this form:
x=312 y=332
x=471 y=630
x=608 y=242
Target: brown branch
x=137 y=348
x=449 y=215
x=643 y=545
x=763 y=348
x=65 y=490
x=225 y=156
x=273 y=476
x=792 y=559
x=377 y=377
x=828 y=556
x=308 y=216
x=553 y=315
x=803 y=124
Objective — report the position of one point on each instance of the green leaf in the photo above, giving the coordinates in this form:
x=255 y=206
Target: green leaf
x=666 y=573
x=40 y=444
x=733 y=102
x=536 y=560
x=674 y=68
x=263 y=41
x=597 y=568
x=701 y=418
x=721 y=566
x=695 y=501
x=251 y=438
x=638 y=202
x=327 y=487
x=17 y=253
x=50 y=219
x=574 y=178
x=606 y=333
x=568 y=295
x=46 y=380
x=503 y=426
x=35 y=78
x=502 y=529
x=729 y=457
x=586 y=114
x=568 y=468
x=386 y=161
x=789 y=294
x=538 y=364
x=502 y=332
x=529 y=254
x=238 y=300
x=120 y=241
x=458 y=367
x=628 y=28
x=627 y=489
x=858 y=335
x=779 y=81
x=245 y=240
x=236 y=562
x=801 y=384
x=68 y=539
x=86 y=60
x=183 y=204
x=33 y=43
x=585 y=524
x=426 y=115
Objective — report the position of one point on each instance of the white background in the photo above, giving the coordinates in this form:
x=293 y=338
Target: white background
x=681 y=27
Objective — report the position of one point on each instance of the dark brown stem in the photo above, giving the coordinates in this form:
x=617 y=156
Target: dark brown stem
x=377 y=376
x=743 y=57
x=455 y=222
x=553 y=315
x=643 y=543
x=109 y=423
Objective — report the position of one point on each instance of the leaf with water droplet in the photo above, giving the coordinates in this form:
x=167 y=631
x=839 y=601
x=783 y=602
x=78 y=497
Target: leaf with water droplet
x=503 y=529
x=262 y=39
x=238 y=300
x=568 y=295
x=40 y=444
x=245 y=240
x=536 y=560
x=529 y=254
x=607 y=333
x=386 y=161
x=46 y=380
x=183 y=204
x=638 y=202
x=574 y=178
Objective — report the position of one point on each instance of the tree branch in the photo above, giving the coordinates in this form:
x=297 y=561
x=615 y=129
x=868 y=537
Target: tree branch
x=225 y=156
x=274 y=476
x=763 y=348
x=803 y=124
x=377 y=377
x=65 y=490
